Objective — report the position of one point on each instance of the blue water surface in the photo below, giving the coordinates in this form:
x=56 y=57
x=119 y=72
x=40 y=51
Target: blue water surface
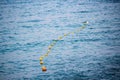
x=27 y=27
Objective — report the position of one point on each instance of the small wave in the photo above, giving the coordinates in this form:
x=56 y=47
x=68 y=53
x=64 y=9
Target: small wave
x=26 y=26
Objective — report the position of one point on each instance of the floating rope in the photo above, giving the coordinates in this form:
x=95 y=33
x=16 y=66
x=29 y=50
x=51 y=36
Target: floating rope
x=55 y=41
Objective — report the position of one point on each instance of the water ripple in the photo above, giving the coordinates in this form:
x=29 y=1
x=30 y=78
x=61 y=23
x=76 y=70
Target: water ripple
x=28 y=27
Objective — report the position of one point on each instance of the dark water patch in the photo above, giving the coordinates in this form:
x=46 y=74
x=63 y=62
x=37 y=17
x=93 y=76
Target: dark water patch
x=84 y=3
x=51 y=10
x=76 y=76
x=76 y=47
x=43 y=76
x=57 y=26
x=26 y=15
x=0 y=15
x=5 y=32
x=1 y=18
x=39 y=4
x=106 y=32
x=27 y=26
x=87 y=40
x=91 y=28
x=9 y=47
x=113 y=44
x=85 y=11
x=116 y=19
x=3 y=51
x=73 y=26
x=59 y=4
x=105 y=21
x=113 y=61
x=112 y=68
x=11 y=21
x=6 y=2
x=34 y=21
x=116 y=25
x=30 y=21
x=24 y=47
x=33 y=44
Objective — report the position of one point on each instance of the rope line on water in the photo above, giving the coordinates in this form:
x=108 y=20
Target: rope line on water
x=55 y=41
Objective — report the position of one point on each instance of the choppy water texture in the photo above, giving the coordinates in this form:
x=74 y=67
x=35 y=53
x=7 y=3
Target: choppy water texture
x=27 y=27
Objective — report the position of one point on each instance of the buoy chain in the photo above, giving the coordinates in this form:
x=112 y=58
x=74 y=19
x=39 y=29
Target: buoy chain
x=55 y=41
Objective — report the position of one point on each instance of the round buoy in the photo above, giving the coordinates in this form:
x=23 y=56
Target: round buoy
x=41 y=62
x=41 y=58
x=44 y=68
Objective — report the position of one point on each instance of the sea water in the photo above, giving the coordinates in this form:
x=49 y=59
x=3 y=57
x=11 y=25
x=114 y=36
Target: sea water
x=27 y=28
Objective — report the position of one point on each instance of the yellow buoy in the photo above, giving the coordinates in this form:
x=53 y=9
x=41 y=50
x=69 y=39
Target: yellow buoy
x=59 y=38
x=52 y=45
x=46 y=54
x=41 y=62
x=49 y=47
x=65 y=34
x=48 y=50
x=41 y=58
